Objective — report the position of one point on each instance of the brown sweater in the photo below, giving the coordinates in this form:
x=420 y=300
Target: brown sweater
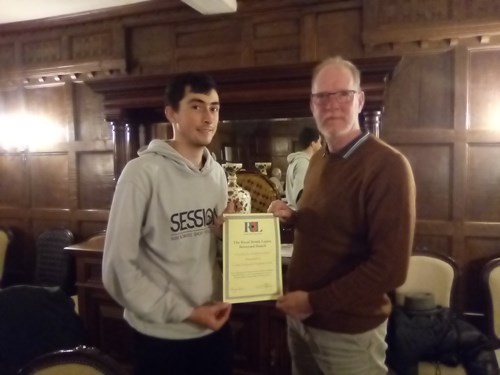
x=353 y=235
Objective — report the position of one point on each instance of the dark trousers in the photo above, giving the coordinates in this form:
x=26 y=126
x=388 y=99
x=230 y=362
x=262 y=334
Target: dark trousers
x=210 y=354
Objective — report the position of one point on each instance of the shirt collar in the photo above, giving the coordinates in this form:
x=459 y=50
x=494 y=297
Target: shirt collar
x=348 y=149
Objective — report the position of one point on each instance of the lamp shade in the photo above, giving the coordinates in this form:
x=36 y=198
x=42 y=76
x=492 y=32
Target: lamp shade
x=212 y=6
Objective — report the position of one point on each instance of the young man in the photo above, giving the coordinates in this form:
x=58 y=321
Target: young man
x=160 y=249
x=310 y=142
x=353 y=236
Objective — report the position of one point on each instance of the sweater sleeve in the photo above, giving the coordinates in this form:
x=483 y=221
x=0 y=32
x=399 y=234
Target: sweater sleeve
x=125 y=281
x=389 y=205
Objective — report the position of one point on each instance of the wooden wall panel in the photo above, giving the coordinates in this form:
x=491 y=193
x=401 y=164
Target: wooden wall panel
x=422 y=23
x=45 y=51
x=276 y=40
x=95 y=179
x=432 y=170
x=421 y=93
x=49 y=180
x=89 y=117
x=87 y=229
x=440 y=243
x=208 y=45
x=338 y=33
x=483 y=183
x=7 y=54
x=54 y=109
x=93 y=45
x=151 y=48
x=13 y=181
x=484 y=91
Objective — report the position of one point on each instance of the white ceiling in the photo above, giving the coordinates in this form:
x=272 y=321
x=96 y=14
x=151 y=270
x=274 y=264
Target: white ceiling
x=24 y=10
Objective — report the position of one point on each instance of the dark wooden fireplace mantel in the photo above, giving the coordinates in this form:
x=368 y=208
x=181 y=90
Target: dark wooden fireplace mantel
x=245 y=93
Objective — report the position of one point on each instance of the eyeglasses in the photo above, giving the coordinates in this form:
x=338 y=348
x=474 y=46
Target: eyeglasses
x=341 y=97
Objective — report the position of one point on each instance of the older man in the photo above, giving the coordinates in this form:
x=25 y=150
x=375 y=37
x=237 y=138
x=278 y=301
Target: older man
x=353 y=236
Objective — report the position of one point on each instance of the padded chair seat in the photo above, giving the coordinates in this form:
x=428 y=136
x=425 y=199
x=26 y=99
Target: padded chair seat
x=81 y=360
x=430 y=272
x=261 y=188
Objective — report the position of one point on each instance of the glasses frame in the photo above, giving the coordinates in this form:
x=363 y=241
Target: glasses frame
x=341 y=97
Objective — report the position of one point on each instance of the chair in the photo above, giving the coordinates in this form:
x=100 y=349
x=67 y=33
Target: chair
x=81 y=360
x=261 y=188
x=491 y=279
x=438 y=274
x=34 y=321
x=54 y=267
x=430 y=272
x=5 y=239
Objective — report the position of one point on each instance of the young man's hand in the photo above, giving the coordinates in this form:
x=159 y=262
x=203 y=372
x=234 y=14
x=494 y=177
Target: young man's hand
x=213 y=315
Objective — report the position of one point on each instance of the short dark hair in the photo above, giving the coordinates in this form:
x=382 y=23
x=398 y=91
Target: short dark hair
x=200 y=83
x=308 y=135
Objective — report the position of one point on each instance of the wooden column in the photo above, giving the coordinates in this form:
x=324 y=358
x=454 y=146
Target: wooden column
x=372 y=121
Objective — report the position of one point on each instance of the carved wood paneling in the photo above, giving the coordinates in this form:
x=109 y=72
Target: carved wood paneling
x=91 y=45
x=421 y=93
x=424 y=242
x=95 y=179
x=49 y=180
x=424 y=22
x=276 y=40
x=433 y=184
x=53 y=107
x=338 y=33
x=46 y=52
x=52 y=56
x=484 y=93
x=7 y=57
x=152 y=48
x=89 y=123
x=483 y=193
x=13 y=180
x=86 y=228
x=451 y=155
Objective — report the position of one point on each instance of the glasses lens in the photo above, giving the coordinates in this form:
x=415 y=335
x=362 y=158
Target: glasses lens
x=342 y=97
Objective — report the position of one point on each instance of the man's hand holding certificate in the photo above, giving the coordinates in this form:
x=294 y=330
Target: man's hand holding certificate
x=251 y=258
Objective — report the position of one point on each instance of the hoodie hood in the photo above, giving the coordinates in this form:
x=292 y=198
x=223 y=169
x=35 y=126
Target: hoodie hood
x=164 y=148
x=295 y=156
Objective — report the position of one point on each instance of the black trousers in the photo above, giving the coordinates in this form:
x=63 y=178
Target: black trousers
x=211 y=355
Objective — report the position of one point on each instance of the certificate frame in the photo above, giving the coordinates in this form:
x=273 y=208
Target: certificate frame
x=251 y=258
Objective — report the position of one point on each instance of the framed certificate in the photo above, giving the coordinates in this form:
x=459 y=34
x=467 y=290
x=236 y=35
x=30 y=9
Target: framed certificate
x=251 y=258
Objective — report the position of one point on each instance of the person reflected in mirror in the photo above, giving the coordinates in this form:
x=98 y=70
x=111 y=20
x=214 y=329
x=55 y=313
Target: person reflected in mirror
x=276 y=180
x=298 y=162
x=354 y=230
x=160 y=250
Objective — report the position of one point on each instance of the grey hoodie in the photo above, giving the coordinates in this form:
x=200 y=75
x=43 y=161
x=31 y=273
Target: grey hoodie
x=160 y=253
x=298 y=162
